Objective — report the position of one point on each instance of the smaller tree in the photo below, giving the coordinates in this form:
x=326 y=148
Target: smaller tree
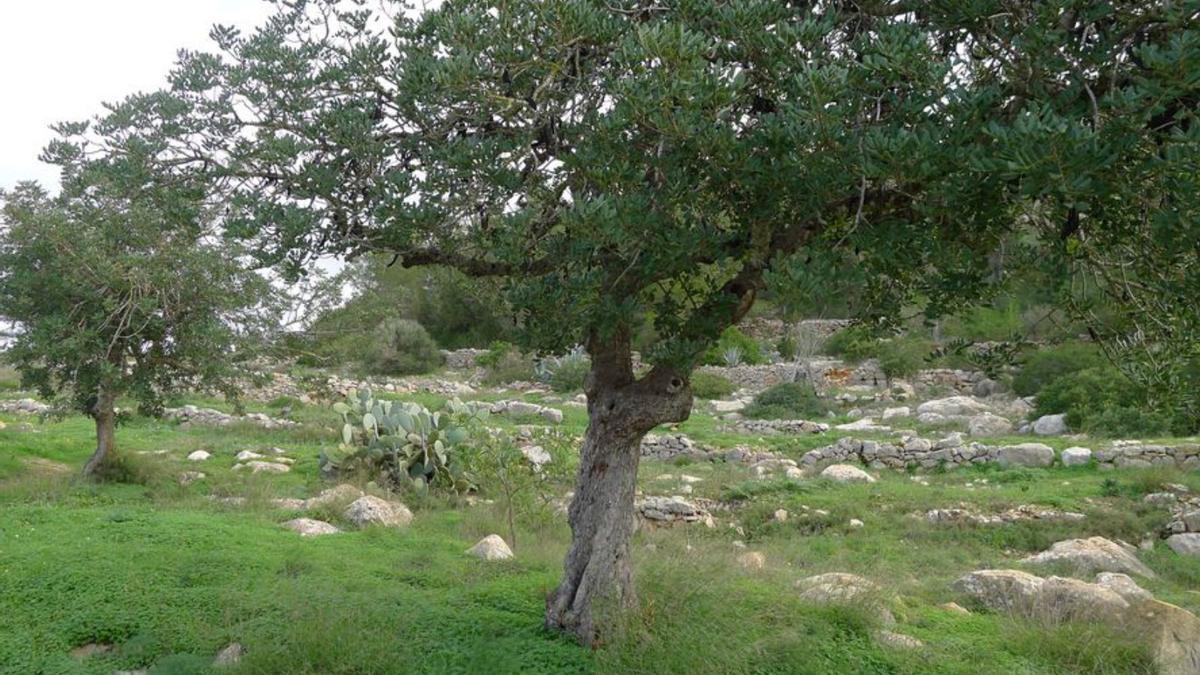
x=120 y=291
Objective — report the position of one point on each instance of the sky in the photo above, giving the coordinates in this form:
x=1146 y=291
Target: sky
x=60 y=60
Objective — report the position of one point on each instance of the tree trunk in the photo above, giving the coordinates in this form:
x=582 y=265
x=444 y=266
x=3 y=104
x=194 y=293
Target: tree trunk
x=597 y=572
x=105 y=416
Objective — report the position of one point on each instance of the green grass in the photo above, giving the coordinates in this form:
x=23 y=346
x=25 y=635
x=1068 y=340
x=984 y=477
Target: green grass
x=170 y=576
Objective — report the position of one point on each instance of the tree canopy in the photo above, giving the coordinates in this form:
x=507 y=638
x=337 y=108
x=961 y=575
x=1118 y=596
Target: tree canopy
x=619 y=159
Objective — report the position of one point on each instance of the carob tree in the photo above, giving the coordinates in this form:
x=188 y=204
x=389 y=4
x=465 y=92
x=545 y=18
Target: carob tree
x=614 y=160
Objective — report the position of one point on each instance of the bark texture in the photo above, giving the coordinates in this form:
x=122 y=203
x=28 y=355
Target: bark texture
x=104 y=413
x=621 y=409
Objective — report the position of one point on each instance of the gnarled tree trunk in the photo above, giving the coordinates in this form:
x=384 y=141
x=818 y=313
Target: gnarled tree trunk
x=104 y=413
x=621 y=409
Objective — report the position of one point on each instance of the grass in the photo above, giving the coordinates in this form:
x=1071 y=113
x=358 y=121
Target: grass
x=170 y=576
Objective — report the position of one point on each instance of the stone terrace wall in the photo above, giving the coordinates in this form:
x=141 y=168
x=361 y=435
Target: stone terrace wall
x=953 y=451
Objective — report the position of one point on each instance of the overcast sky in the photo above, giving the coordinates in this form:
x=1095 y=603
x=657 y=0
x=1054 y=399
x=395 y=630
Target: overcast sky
x=60 y=59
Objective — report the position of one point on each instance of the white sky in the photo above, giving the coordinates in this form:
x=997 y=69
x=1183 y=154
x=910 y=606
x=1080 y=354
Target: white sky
x=61 y=59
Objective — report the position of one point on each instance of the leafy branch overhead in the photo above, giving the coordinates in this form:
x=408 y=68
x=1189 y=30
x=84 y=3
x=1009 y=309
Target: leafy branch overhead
x=611 y=159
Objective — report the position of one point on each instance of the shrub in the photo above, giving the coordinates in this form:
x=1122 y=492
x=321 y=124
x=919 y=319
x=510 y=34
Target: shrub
x=787 y=400
x=710 y=386
x=1051 y=363
x=1102 y=401
x=854 y=344
x=504 y=363
x=902 y=357
x=402 y=347
x=565 y=373
x=734 y=339
x=787 y=347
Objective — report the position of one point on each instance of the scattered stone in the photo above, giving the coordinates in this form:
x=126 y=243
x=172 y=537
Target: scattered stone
x=263 y=467
x=954 y=608
x=892 y=413
x=231 y=655
x=1019 y=513
x=1160 y=499
x=24 y=406
x=669 y=446
x=289 y=503
x=1185 y=544
x=247 y=455
x=752 y=560
x=898 y=640
x=954 y=406
x=864 y=424
x=989 y=424
x=536 y=455
x=1124 y=586
x=672 y=510
x=189 y=477
x=371 y=510
x=339 y=493
x=835 y=587
x=189 y=414
x=1025 y=454
x=844 y=473
x=491 y=547
x=1091 y=555
x=307 y=527
x=91 y=649
x=199 y=456
x=855 y=523
x=1076 y=456
x=780 y=516
x=723 y=407
x=779 y=427
x=524 y=408
x=1050 y=425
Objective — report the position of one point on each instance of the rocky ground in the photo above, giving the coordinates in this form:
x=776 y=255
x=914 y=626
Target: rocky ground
x=938 y=518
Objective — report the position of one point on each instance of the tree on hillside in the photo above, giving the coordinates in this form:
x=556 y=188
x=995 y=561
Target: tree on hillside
x=119 y=291
x=618 y=159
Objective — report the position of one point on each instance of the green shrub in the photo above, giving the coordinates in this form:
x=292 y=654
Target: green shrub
x=1051 y=363
x=567 y=374
x=402 y=347
x=710 y=386
x=504 y=363
x=1102 y=401
x=902 y=357
x=986 y=324
x=787 y=400
x=854 y=344
x=787 y=347
x=731 y=341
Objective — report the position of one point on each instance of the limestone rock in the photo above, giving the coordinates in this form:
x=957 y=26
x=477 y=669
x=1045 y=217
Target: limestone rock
x=371 y=510
x=954 y=608
x=1091 y=555
x=491 y=547
x=891 y=413
x=1000 y=590
x=752 y=560
x=231 y=655
x=670 y=510
x=189 y=477
x=898 y=640
x=307 y=527
x=1076 y=456
x=953 y=406
x=339 y=493
x=835 y=588
x=199 y=456
x=1185 y=544
x=1050 y=425
x=1173 y=634
x=1124 y=586
x=1025 y=454
x=1063 y=599
x=844 y=473
x=247 y=455
x=536 y=455
x=988 y=424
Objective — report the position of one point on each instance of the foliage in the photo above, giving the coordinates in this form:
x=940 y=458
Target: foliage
x=734 y=348
x=504 y=363
x=1102 y=401
x=787 y=400
x=711 y=386
x=854 y=343
x=787 y=347
x=403 y=442
x=1048 y=364
x=564 y=373
x=401 y=347
x=902 y=357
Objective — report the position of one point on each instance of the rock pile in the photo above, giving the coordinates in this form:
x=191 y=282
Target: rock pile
x=780 y=427
x=1019 y=513
x=24 y=406
x=190 y=414
x=523 y=408
x=669 y=446
x=668 y=511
